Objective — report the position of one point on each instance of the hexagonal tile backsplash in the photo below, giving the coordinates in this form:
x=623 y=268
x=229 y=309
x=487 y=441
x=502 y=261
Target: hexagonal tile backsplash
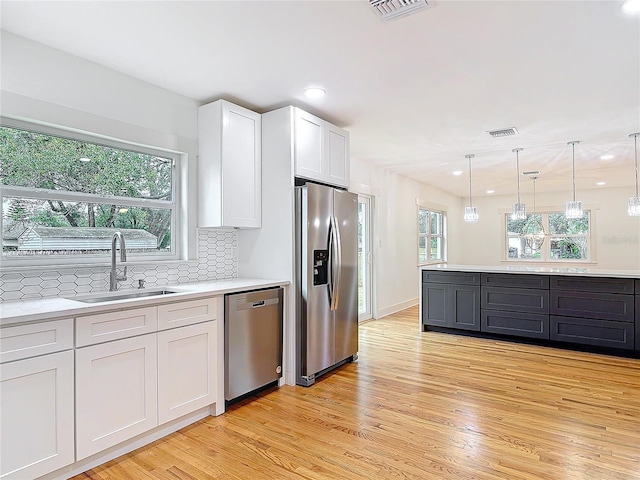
x=217 y=259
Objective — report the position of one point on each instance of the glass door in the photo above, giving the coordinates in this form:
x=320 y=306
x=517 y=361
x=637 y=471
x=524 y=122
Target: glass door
x=364 y=258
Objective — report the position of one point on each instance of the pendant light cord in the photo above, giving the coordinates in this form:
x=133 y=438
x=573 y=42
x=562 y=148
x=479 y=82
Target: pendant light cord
x=635 y=150
x=518 y=172
x=573 y=168
x=470 y=202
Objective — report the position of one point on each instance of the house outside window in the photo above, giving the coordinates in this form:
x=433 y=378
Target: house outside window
x=431 y=236
x=64 y=195
x=549 y=237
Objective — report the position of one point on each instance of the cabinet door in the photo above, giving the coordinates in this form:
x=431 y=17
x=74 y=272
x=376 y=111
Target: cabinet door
x=36 y=414
x=464 y=303
x=637 y=314
x=434 y=304
x=337 y=155
x=241 y=167
x=308 y=146
x=187 y=370
x=116 y=392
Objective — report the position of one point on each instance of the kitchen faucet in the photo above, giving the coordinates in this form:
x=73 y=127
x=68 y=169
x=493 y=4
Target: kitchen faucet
x=114 y=278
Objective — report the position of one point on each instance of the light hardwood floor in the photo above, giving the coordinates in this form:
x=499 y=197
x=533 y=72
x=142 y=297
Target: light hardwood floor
x=420 y=406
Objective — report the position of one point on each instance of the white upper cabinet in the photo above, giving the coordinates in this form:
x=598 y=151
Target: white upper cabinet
x=229 y=166
x=321 y=150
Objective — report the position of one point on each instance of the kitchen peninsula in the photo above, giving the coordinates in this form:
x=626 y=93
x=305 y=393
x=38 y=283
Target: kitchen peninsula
x=556 y=305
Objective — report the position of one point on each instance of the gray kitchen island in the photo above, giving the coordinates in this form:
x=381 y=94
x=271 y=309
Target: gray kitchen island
x=561 y=306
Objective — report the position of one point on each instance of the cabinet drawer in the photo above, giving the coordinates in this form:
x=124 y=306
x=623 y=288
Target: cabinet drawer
x=637 y=322
x=181 y=314
x=532 y=325
x=588 y=331
x=540 y=282
x=26 y=341
x=604 y=306
x=515 y=299
x=458 y=278
x=593 y=284
x=109 y=326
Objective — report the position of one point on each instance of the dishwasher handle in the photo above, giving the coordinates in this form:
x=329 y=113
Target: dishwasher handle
x=258 y=304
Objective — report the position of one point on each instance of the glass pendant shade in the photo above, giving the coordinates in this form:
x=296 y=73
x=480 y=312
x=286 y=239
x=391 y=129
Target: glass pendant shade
x=519 y=211
x=634 y=202
x=634 y=207
x=470 y=214
x=574 y=209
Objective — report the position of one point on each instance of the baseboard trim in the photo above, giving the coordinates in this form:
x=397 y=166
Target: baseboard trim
x=383 y=312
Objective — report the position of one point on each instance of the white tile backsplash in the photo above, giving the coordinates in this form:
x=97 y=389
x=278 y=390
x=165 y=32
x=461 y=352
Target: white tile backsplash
x=217 y=259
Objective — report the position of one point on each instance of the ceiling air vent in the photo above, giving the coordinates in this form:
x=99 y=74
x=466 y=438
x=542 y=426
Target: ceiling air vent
x=389 y=9
x=503 y=132
x=531 y=172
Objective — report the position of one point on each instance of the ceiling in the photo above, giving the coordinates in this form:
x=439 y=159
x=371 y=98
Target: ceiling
x=417 y=93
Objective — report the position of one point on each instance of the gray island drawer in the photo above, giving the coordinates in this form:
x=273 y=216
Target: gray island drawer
x=532 y=325
x=515 y=299
x=588 y=331
x=593 y=284
x=454 y=278
x=511 y=280
x=605 y=306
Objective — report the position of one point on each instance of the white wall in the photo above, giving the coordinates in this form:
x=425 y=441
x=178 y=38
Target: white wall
x=395 y=250
x=617 y=236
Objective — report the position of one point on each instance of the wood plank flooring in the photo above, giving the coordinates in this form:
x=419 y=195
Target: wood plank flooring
x=420 y=406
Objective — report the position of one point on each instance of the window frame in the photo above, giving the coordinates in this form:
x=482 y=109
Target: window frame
x=428 y=235
x=545 y=251
x=64 y=260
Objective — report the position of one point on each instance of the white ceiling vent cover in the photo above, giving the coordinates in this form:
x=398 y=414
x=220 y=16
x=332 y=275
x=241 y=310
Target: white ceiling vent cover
x=389 y=9
x=503 y=132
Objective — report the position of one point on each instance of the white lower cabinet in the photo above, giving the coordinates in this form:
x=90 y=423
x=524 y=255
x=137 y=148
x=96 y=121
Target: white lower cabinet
x=116 y=392
x=36 y=415
x=187 y=370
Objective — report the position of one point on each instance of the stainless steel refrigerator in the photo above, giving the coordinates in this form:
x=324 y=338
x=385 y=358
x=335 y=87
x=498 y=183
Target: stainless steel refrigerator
x=326 y=280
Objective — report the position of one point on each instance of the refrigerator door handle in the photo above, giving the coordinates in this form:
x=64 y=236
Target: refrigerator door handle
x=333 y=248
x=336 y=281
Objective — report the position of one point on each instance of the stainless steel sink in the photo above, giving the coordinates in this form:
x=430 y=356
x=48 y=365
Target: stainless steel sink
x=111 y=297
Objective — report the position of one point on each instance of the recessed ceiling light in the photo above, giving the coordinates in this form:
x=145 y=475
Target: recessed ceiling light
x=606 y=157
x=314 y=92
x=457 y=172
x=601 y=183
x=491 y=191
x=85 y=159
x=631 y=6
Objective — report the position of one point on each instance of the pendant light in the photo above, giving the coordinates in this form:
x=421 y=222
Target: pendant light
x=533 y=230
x=574 y=208
x=470 y=212
x=519 y=209
x=634 y=202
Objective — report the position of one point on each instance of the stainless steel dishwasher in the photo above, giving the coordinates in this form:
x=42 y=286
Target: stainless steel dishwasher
x=253 y=340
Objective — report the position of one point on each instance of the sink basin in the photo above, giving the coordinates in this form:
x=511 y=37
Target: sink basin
x=113 y=296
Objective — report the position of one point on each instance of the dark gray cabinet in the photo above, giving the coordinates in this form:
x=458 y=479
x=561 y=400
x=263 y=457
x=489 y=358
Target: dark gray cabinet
x=637 y=314
x=589 y=331
x=592 y=284
x=451 y=305
x=531 y=325
x=594 y=311
x=605 y=306
x=515 y=304
x=597 y=311
x=515 y=299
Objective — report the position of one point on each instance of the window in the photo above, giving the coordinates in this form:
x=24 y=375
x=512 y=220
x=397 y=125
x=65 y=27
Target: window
x=549 y=237
x=431 y=236
x=63 y=198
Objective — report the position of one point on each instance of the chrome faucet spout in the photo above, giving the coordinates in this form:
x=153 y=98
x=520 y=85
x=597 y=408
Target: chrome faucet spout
x=114 y=278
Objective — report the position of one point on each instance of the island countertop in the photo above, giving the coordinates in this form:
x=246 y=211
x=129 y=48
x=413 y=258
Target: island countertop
x=536 y=270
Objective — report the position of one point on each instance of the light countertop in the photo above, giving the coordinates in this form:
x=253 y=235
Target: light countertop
x=539 y=270
x=12 y=313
